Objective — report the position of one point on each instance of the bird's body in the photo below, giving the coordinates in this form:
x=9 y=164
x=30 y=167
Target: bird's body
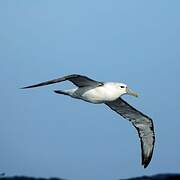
x=110 y=94
x=107 y=92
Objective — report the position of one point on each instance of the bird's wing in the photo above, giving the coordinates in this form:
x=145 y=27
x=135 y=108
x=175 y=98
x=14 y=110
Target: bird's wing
x=141 y=122
x=76 y=79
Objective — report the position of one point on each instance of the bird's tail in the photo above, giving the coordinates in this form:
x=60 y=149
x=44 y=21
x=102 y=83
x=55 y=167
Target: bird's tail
x=61 y=92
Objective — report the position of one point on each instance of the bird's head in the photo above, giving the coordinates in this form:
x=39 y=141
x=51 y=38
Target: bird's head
x=124 y=89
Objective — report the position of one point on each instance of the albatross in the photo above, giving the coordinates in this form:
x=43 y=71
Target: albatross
x=110 y=94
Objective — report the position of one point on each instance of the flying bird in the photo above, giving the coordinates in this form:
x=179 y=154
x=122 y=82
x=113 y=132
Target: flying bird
x=110 y=94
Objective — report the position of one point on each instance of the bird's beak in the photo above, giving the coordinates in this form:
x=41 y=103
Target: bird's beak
x=131 y=92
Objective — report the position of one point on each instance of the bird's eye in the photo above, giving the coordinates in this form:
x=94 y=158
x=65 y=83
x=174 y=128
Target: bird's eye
x=122 y=86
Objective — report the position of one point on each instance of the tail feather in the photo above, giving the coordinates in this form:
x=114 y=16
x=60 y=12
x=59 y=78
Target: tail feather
x=61 y=92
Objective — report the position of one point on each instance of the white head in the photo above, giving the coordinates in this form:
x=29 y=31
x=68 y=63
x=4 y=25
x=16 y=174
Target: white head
x=124 y=89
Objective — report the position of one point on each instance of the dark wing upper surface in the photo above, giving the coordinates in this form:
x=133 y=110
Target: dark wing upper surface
x=141 y=122
x=76 y=79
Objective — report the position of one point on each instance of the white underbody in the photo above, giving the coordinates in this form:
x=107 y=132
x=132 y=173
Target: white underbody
x=100 y=94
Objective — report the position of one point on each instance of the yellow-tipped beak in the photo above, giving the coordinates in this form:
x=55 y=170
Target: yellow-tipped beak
x=131 y=92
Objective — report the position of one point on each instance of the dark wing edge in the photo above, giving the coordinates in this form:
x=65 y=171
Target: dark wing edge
x=76 y=79
x=142 y=123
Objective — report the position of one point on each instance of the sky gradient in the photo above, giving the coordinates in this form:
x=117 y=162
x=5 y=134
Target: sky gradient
x=43 y=134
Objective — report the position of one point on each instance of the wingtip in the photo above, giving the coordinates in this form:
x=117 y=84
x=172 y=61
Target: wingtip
x=26 y=87
x=22 y=88
x=32 y=86
x=145 y=165
x=146 y=162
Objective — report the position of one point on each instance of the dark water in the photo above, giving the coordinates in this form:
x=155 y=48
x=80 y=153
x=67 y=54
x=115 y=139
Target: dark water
x=158 y=177
x=153 y=177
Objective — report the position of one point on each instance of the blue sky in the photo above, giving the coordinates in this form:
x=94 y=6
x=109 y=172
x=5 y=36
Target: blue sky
x=45 y=134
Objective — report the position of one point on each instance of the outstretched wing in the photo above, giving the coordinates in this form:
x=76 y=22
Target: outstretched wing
x=141 y=122
x=76 y=79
